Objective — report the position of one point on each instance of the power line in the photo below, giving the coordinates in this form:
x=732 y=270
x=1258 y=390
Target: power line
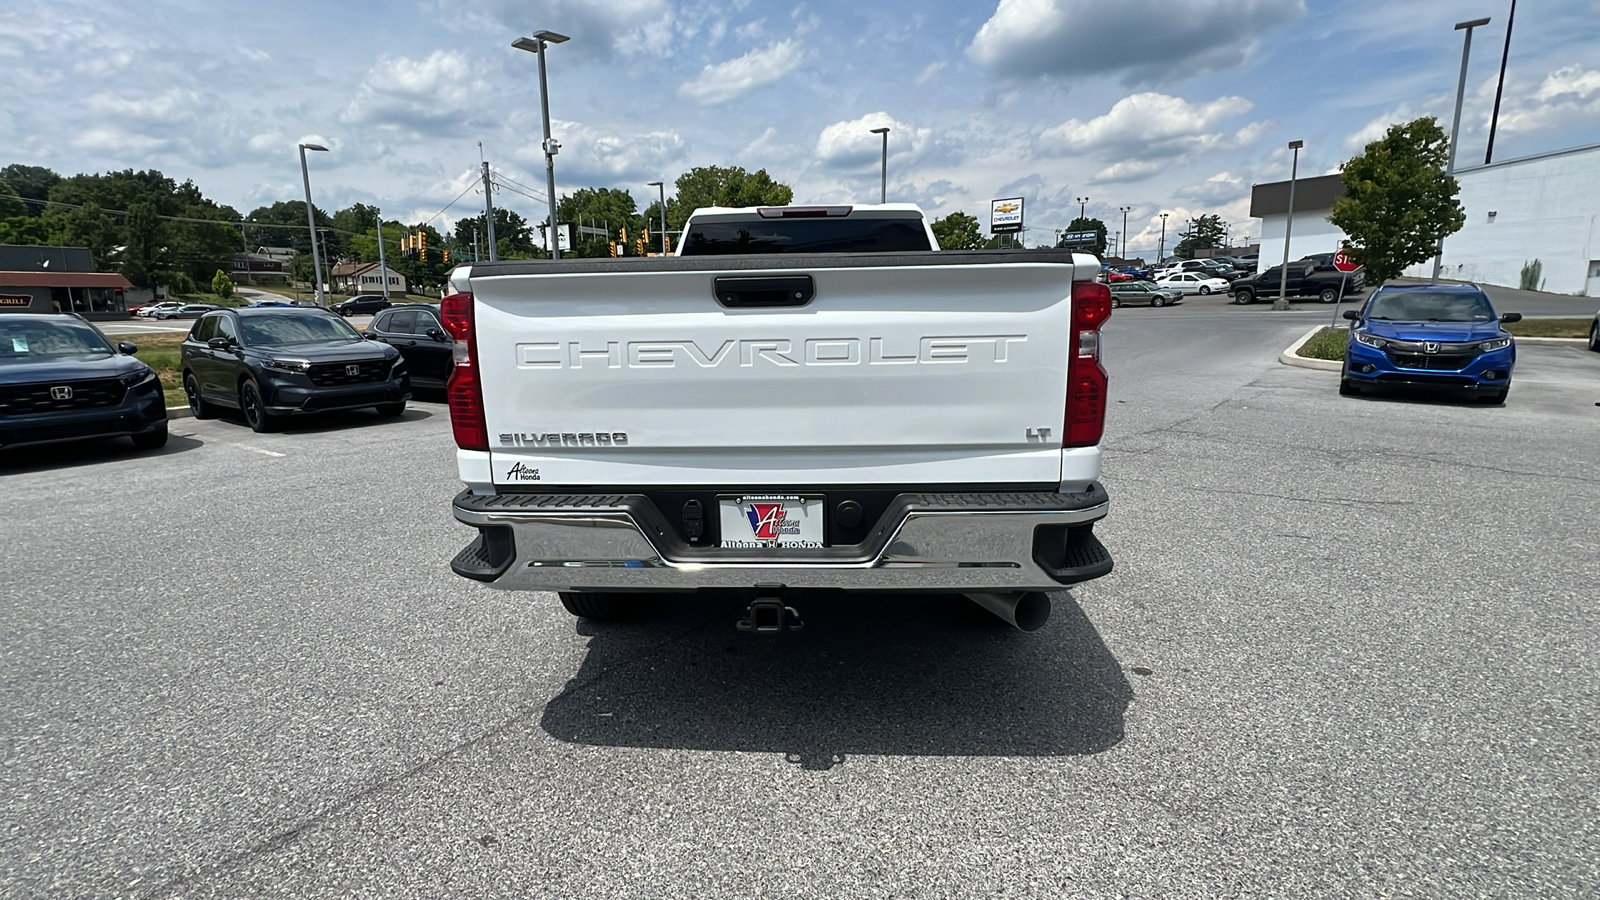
x=518 y=183
x=507 y=187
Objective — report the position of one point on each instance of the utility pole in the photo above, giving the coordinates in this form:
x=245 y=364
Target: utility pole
x=488 y=209
x=1124 y=210
x=1494 y=118
x=383 y=265
x=1161 y=254
x=245 y=240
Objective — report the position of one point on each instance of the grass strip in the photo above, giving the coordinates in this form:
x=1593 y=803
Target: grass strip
x=1326 y=344
x=1556 y=328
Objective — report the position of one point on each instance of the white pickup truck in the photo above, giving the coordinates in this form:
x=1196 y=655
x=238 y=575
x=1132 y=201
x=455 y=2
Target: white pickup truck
x=802 y=398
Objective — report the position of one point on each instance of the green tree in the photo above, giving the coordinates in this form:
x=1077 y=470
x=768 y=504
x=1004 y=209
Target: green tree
x=723 y=186
x=1204 y=235
x=32 y=183
x=513 y=237
x=1095 y=225
x=1398 y=202
x=145 y=259
x=87 y=226
x=606 y=208
x=11 y=205
x=958 y=231
x=221 y=284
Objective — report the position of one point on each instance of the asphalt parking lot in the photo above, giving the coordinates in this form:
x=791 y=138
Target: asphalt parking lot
x=1348 y=650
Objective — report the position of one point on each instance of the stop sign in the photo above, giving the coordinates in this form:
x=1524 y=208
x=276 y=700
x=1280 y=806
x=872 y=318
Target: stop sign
x=1344 y=263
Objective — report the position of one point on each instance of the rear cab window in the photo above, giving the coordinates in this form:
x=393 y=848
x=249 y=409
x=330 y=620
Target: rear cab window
x=819 y=229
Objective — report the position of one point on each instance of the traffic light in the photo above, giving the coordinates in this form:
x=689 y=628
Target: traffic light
x=613 y=246
x=447 y=256
x=639 y=246
x=422 y=245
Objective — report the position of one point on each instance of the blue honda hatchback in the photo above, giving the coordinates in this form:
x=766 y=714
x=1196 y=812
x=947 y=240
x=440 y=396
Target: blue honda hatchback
x=1430 y=335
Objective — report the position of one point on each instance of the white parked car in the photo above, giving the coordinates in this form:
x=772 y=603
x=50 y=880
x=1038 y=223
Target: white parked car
x=164 y=306
x=1192 y=283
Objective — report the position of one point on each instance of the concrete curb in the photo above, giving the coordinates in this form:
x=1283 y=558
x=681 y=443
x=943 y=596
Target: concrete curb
x=1291 y=356
x=1559 y=342
x=179 y=412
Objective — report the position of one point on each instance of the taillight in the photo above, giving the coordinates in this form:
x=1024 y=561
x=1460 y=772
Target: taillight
x=465 y=389
x=1086 y=379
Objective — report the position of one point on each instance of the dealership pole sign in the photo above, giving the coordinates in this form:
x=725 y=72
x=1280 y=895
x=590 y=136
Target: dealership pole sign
x=1005 y=216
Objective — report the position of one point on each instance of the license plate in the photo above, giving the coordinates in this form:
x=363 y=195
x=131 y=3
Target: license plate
x=771 y=521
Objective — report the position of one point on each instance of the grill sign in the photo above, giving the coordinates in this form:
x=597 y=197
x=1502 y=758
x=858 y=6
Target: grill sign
x=15 y=300
x=61 y=392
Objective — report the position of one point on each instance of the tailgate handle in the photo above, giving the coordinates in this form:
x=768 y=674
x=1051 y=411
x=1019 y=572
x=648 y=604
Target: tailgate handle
x=742 y=292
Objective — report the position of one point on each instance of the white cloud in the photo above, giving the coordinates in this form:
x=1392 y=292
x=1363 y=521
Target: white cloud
x=593 y=153
x=614 y=26
x=420 y=94
x=1141 y=129
x=1145 y=40
x=851 y=144
x=1219 y=188
x=928 y=71
x=1567 y=95
x=724 y=81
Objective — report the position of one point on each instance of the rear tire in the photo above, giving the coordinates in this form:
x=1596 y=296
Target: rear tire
x=1328 y=295
x=151 y=440
x=602 y=607
x=1594 y=337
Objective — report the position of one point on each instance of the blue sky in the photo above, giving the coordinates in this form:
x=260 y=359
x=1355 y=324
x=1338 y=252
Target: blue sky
x=1160 y=106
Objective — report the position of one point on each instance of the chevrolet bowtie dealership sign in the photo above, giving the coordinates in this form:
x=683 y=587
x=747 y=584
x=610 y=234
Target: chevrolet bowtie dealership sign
x=1005 y=216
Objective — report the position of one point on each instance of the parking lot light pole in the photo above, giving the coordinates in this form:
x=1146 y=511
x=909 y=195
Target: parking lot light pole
x=883 y=183
x=536 y=45
x=1083 y=203
x=1124 y=210
x=662 y=187
x=311 y=222
x=383 y=265
x=1455 y=123
x=1288 y=230
x=1161 y=254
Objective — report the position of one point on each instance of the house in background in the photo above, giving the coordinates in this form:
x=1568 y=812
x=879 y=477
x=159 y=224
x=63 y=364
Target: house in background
x=365 y=278
x=60 y=279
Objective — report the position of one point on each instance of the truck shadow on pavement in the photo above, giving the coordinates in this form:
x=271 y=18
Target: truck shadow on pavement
x=903 y=676
x=338 y=420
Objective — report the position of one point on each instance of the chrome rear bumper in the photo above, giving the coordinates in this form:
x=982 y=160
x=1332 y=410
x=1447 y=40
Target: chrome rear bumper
x=936 y=542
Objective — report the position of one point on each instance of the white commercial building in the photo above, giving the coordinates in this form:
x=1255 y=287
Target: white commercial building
x=1544 y=207
x=1312 y=232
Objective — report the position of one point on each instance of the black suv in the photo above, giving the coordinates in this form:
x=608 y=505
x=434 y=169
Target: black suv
x=1305 y=280
x=362 y=304
x=62 y=380
x=271 y=363
x=414 y=329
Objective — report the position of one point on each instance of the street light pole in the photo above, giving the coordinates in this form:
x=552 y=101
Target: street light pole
x=383 y=265
x=1455 y=123
x=1161 y=254
x=1124 y=210
x=536 y=45
x=1083 y=203
x=883 y=184
x=1288 y=230
x=662 y=188
x=311 y=222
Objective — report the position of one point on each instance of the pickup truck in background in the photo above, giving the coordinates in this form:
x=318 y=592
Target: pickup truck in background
x=803 y=398
x=1306 y=279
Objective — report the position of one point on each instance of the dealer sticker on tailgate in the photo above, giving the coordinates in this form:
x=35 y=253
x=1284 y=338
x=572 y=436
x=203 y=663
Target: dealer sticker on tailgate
x=771 y=521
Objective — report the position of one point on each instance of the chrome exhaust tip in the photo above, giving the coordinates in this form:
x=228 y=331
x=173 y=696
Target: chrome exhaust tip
x=1025 y=612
